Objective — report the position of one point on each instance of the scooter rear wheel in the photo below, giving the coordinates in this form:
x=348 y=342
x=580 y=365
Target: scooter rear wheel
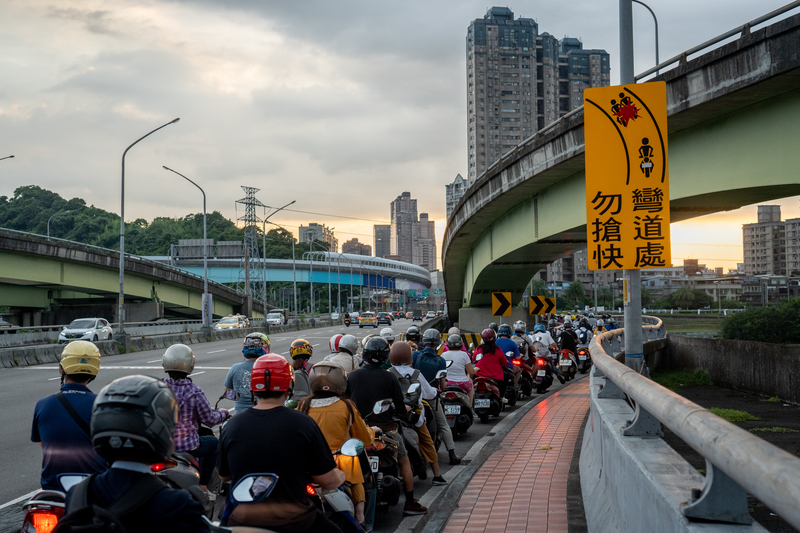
x=484 y=418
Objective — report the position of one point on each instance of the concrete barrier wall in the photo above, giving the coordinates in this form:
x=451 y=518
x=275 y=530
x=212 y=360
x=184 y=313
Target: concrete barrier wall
x=634 y=484
x=757 y=367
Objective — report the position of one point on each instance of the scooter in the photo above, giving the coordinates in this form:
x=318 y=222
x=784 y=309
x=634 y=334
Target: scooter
x=347 y=322
x=525 y=379
x=567 y=365
x=430 y=405
x=337 y=504
x=544 y=375
x=457 y=409
x=487 y=400
x=382 y=456
x=584 y=359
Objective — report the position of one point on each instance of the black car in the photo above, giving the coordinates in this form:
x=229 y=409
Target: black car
x=385 y=318
x=418 y=315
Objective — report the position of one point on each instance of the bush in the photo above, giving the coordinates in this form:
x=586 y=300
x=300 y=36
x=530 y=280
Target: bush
x=779 y=324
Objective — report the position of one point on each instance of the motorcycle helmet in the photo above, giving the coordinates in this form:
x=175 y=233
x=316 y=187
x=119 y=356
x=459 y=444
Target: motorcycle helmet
x=504 y=330
x=255 y=344
x=366 y=339
x=271 y=373
x=178 y=358
x=611 y=320
x=301 y=348
x=567 y=325
x=80 y=357
x=348 y=344
x=488 y=335
x=454 y=331
x=137 y=415
x=327 y=377
x=539 y=328
x=519 y=327
x=600 y=323
x=412 y=334
x=432 y=338
x=551 y=323
x=585 y=323
x=334 y=342
x=454 y=342
x=388 y=334
x=493 y=326
x=376 y=351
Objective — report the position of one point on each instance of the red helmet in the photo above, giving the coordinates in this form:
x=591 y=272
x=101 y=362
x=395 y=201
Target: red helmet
x=488 y=335
x=334 y=342
x=271 y=373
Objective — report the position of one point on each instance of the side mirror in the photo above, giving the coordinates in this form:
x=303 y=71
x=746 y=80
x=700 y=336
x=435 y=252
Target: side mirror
x=230 y=394
x=414 y=387
x=471 y=345
x=381 y=406
x=478 y=357
x=449 y=363
x=352 y=448
x=253 y=488
x=67 y=481
x=440 y=374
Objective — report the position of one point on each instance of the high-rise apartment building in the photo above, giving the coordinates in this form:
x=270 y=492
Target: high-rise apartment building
x=319 y=233
x=454 y=192
x=423 y=242
x=382 y=239
x=354 y=247
x=518 y=81
x=403 y=215
x=765 y=249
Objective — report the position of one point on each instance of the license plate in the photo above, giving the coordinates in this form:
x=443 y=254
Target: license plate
x=482 y=402
x=541 y=373
x=452 y=409
x=566 y=362
x=582 y=357
x=374 y=463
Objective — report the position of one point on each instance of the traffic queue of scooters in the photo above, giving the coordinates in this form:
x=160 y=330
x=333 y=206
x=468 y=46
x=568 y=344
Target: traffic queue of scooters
x=533 y=371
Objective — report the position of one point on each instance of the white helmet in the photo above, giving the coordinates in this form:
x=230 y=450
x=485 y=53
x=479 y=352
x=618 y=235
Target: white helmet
x=453 y=331
x=600 y=323
x=178 y=358
x=334 y=342
x=348 y=344
x=519 y=326
x=388 y=334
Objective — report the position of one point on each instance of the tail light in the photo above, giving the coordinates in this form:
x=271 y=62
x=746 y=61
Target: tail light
x=481 y=387
x=310 y=490
x=517 y=362
x=42 y=520
x=541 y=362
x=450 y=395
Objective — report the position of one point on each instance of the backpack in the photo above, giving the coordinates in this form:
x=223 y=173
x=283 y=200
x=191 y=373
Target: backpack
x=411 y=399
x=583 y=336
x=86 y=518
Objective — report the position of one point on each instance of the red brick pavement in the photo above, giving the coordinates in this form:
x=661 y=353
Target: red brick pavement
x=522 y=487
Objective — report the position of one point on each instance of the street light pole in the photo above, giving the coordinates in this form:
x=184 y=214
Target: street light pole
x=7 y=157
x=655 y=20
x=264 y=249
x=121 y=306
x=51 y=218
x=207 y=310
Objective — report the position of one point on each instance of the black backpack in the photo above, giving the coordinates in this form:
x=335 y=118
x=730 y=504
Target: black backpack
x=410 y=399
x=83 y=517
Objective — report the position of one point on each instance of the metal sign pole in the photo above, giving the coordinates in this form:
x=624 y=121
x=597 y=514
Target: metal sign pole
x=633 y=307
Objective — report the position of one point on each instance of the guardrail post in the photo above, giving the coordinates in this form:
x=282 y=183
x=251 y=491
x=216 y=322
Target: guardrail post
x=643 y=425
x=720 y=500
x=610 y=390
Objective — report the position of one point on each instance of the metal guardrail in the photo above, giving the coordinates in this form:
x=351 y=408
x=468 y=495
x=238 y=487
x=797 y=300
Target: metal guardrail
x=744 y=29
x=737 y=461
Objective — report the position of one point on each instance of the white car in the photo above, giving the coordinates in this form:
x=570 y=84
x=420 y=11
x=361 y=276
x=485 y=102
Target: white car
x=334 y=316
x=86 y=329
x=275 y=319
x=430 y=314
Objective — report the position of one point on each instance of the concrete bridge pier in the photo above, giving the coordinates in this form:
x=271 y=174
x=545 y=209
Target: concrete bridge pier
x=476 y=319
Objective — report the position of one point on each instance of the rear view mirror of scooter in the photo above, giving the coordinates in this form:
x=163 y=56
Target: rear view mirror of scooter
x=250 y=489
x=449 y=363
x=352 y=448
x=381 y=406
x=67 y=481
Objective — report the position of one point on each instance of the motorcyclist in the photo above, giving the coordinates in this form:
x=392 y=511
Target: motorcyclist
x=345 y=356
x=370 y=384
x=543 y=337
x=492 y=361
x=584 y=331
x=413 y=337
x=66 y=442
x=461 y=370
x=600 y=327
x=493 y=326
x=508 y=346
x=552 y=328
x=522 y=339
x=256 y=442
x=388 y=334
x=429 y=363
x=301 y=351
x=592 y=320
x=238 y=379
x=194 y=409
x=133 y=419
x=568 y=339
x=611 y=324
x=400 y=357
x=339 y=420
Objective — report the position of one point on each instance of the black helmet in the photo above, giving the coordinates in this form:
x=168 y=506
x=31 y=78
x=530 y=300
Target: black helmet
x=412 y=334
x=493 y=326
x=454 y=342
x=432 y=338
x=551 y=322
x=504 y=330
x=376 y=351
x=135 y=415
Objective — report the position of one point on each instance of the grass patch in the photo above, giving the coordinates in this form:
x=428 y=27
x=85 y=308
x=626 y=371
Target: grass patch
x=733 y=415
x=678 y=324
x=675 y=379
x=771 y=399
x=775 y=430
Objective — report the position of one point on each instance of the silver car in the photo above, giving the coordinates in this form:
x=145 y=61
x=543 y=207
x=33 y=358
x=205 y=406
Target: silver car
x=86 y=329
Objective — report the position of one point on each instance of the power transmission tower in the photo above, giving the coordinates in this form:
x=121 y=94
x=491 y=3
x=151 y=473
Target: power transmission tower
x=248 y=269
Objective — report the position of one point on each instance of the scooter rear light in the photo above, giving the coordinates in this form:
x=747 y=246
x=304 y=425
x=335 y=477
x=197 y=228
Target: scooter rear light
x=517 y=362
x=541 y=362
x=450 y=395
x=157 y=467
x=43 y=521
x=310 y=490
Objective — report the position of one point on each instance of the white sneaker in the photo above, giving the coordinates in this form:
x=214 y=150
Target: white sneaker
x=505 y=400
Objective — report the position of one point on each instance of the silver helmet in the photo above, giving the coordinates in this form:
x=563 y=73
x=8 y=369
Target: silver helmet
x=178 y=358
x=348 y=344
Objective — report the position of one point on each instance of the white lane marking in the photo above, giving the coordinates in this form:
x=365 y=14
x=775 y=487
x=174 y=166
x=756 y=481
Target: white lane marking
x=51 y=379
x=155 y=361
x=315 y=345
x=21 y=498
x=217 y=351
x=197 y=373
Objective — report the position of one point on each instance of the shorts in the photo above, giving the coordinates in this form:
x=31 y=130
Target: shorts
x=465 y=385
x=397 y=438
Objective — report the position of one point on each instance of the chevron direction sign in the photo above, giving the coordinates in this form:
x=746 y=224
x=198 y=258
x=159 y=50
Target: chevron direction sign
x=501 y=304
x=542 y=305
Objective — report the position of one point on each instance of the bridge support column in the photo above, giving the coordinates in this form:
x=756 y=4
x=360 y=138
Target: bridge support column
x=476 y=319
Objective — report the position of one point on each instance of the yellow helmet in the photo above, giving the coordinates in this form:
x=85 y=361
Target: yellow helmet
x=80 y=357
x=301 y=348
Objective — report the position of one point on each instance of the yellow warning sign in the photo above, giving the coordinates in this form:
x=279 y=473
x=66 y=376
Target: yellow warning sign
x=501 y=304
x=627 y=177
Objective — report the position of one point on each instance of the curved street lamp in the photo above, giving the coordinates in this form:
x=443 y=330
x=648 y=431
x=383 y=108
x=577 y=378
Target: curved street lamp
x=51 y=218
x=121 y=308
x=7 y=157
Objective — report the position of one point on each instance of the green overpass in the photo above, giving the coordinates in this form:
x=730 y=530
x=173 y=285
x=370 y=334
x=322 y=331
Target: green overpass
x=53 y=280
x=733 y=130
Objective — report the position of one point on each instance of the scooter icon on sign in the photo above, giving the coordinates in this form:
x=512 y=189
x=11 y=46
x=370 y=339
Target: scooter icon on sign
x=645 y=153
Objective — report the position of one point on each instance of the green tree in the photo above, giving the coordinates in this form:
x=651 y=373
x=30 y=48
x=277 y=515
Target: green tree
x=539 y=288
x=605 y=297
x=576 y=292
x=683 y=297
x=646 y=296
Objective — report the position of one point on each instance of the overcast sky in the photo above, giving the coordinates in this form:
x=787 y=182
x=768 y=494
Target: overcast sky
x=340 y=105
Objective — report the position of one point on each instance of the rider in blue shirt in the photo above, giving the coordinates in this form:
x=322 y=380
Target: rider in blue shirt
x=66 y=444
x=505 y=343
x=238 y=379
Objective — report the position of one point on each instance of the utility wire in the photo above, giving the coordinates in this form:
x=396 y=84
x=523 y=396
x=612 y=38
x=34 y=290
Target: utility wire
x=328 y=215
